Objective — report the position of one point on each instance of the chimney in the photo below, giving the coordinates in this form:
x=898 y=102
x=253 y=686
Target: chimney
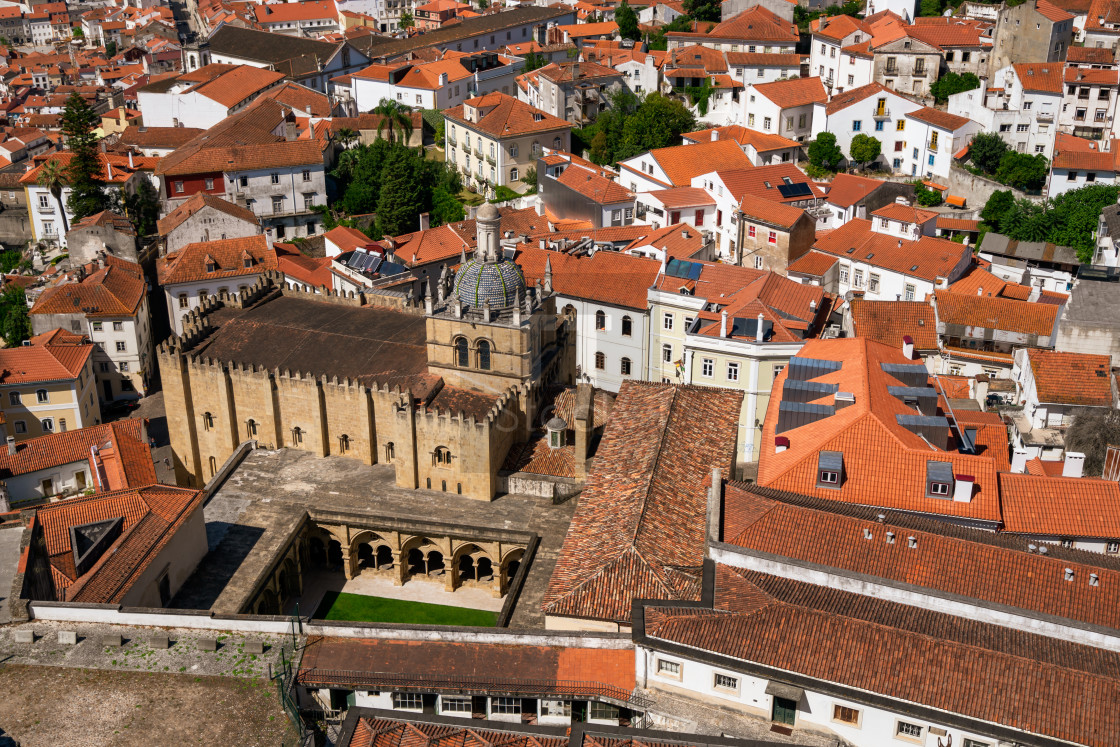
x=131 y=165
x=714 y=495
x=109 y=168
x=290 y=131
x=425 y=221
x=715 y=135
x=908 y=347
x=759 y=333
x=1019 y=461
x=443 y=79
x=1074 y=465
x=11 y=445
x=962 y=488
x=723 y=324
x=781 y=443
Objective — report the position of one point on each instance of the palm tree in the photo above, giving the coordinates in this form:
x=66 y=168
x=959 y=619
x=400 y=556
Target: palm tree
x=395 y=116
x=52 y=175
x=346 y=137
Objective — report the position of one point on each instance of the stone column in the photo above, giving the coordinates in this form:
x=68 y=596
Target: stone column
x=401 y=574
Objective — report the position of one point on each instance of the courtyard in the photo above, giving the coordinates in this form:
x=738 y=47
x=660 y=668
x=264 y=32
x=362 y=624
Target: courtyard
x=251 y=519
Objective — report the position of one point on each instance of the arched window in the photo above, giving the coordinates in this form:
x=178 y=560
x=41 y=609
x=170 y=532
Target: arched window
x=297 y=435
x=213 y=466
x=389 y=450
x=600 y=361
x=207 y=421
x=13 y=398
x=251 y=428
x=41 y=396
x=442 y=456
x=570 y=313
x=627 y=326
x=462 y=355
x=557 y=143
x=484 y=355
x=625 y=366
x=600 y=320
x=513 y=175
x=343 y=444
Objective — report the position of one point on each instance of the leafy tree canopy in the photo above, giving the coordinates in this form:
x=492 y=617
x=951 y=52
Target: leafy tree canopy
x=1022 y=170
x=703 y=10
x=865 y=148
x=632 y=126
x=87 y=192
x=1090 y=433
x=15 y=327
x=627 y=21
x=1070 y=219
x=533 y=61
x=825 y=153
x=951 y=83
x=986 y=150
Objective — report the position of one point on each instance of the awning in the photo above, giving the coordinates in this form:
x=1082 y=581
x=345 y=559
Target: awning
x=789 y=692
x=960 y=154
x=935 y=185
x=955 y=201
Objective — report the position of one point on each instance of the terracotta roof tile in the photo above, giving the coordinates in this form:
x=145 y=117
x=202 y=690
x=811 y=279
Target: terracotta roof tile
x=848 y=189
x=1005 y=314
x=682 y=197
x=683 y=162
x=927 y=258
x=1044 y=77
x=503 y=116
x=198 y=201
x=905 y=213
x=639 y=529
x=235 y=158
x=764 y=181
x=938 y=118
x=890 y=321
x=760 y=141
x=228 y=257
x=52 y=356
x=814 y=263
x=112 y=291
x=853 y=96
x=607 y=277
x=769 y=211
x=592 y=184
x=1060 y=506
x=1071 y=378
x=1051 y=11
x=793 y=92
x=132 y=462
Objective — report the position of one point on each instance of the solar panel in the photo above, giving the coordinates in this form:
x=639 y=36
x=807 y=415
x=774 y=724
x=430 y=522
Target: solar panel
x=801 y=189
x=678 y=268
x=694 y=270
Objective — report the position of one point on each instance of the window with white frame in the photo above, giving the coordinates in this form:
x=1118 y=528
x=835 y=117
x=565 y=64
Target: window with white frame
x=907 y=730
x=873 y=286
x=511 y=706
x=408 y=701
x=725 y=682
x=732 y=371
x=667 y=353
x=668 y=320
x=707 y=368
x=669 y=668
x=452 y=704
x=843 y=273
x=47 y=424
x=910 y=292
x=759 y=261
x=602 y=711
x=561 y=708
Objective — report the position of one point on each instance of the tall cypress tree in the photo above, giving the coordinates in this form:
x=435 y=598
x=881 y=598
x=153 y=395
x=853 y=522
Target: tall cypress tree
x=87 y=190
x=400 y=202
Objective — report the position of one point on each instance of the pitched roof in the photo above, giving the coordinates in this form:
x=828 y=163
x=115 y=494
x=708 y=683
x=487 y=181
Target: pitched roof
x=765 y=181
x=227 y=256
x=51 y=356
x=855 y=95
x=769 y=211
x=1052 y=12
x=504 y=116
x=314 y=271
x=812 y=263
x=889 y=322
x=606 y=277
x=884 y=458
x=197 y=202
x=592 y=184
x=754 y=24
x=793 y=92
x=1071 y=378
x=639 y=529
x=1060 y=506
x=1043 y=77
x=112 y=291
x=158 y=137
x=150 y=515
x=760 y=141
x=938 y=118
x=927 y=258
x=191 y=159
x=234 y=86
x=1009 y=315
x=126 y=457
x=1090 y=56
x=683 y=162
x=904 y=213
x=843 y=638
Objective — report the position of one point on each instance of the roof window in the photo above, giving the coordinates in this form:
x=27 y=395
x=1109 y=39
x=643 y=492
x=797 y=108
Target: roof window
x=939 y=480
x=830 y=469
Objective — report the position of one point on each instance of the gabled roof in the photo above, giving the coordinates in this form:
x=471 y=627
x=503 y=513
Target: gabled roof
x=1007 y=314
x=927 y=258
x=769 y=211
x=1072 y=378
x=1054 y=13
x=593 y=185
x=639 y=529
x=52 y=356
x=197 y=202
x=761 y=141
x=190 y=160
x=126 y=457
x=765 y=182
x=848 y=189
x=112 y=291
x=1060 y=506
x=228 y=256
x=502 y=116
x=855 y=95
x=605 y=277
x=884 y=459
x=888 y=322
x=683 y=162
x=905 y=213
x=938 y=118
x=1042 y=77
x=754 y=24
x=793 y=92
x=150 y=515
x=158 y=137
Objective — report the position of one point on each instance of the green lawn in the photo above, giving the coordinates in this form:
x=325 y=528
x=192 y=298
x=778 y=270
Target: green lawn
x=359 y=608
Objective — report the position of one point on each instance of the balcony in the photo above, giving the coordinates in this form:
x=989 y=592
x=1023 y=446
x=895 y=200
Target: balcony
x=890 y=70
x=46 y=210
x=1044 y=116
x=920 y=73
x=882 y=114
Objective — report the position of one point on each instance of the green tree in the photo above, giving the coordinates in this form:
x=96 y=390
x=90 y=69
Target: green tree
x=10 y=260
x=951 y=83
x=406 y=21
x=865 y=148
x=77 y=32
x=53 y=177
x=703 y=10
x=446 y=208
x=399 y=201
x=15 y=327
x=925 y=196
x=997 y=207
x=824 y=153
x=346 y=137
x=395 y=117
x=657 y=122
x=930 y=8
x=111 y=49
x=87 y=191
x=1022 y=170
x=142 y=208
x=986 y=150
x=627 y=21
x=533 y=61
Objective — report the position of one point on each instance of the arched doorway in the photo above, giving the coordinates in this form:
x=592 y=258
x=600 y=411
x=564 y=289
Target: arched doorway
x=334 y=554
x=384 y=557
x=416 y=563
x=485 y=569
x=435 y=563
x=466 y=568
x=317 y=552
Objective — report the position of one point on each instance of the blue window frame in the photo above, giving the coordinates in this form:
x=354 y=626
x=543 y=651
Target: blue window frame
x=857 y=125
x=879 y=126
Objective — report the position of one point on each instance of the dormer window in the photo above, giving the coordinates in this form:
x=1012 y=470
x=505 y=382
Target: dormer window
x=246 y=261
x=939 y=479
x=830 y=469
x=211 y=265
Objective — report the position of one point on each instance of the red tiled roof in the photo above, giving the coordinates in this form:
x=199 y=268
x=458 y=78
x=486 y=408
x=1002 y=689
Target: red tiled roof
x=1060 y=506
x=639 y=528
x=593 y=185
x=927 y=258
x=957 y=224
x=793 y=92
x=502 y=116
x=1044 y=77
x=853 y=96
x=234 y=158
x=1090 y=55
x=197 y=202
x=1072 y=378
x=769 y=211
x=1052 y=12
x=1005 y=314
x=764 y=181
x=682 y=197
x=52 y=356
x=372 y=731
x=938 y=118
x=227 y=255
x=152 y=515
x=607 y=277
x=890 y=321
x=313 y=271
x=761 y=141
x=884 y=462
x=848 y=189
x=112 y=291
x=683 y=162
x=815 y=264
x=905 y=213
x=127 y=458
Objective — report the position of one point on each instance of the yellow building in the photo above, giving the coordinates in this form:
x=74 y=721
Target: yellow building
x=741 y=340
x=48 y=386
